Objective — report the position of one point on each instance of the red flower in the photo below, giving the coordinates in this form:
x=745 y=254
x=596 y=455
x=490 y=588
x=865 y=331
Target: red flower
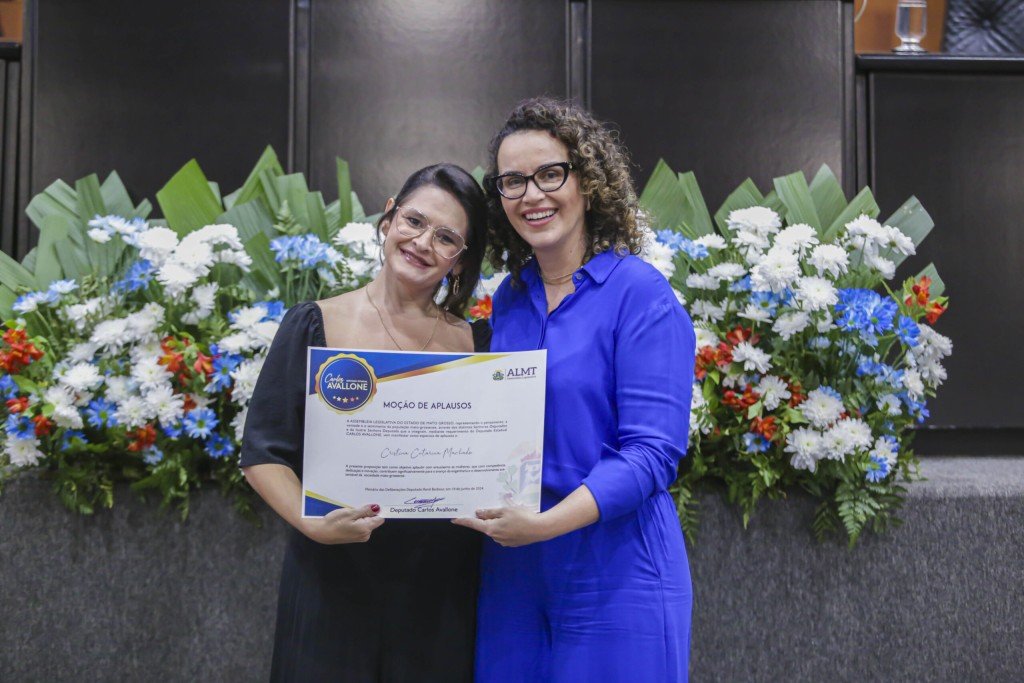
x=742 y=334
x=189 y=404
x=934 y=310
x=143 y=438
x=203 y=364
x=43 y=425
x=20 y=354
x=796 y=394
x=709 y=356
x=17 y=405
x=920 y=291
x=740 y=402
x=482 y=309
x=765 y=427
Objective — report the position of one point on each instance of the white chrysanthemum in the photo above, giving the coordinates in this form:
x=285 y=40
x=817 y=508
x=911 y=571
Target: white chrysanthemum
x=83 y=352
x=489 y=285
x=889 y=404
x=932 y=373
x=133 y=412
x=705 y=337
x=99 y=235
x=149 y=349
x=78 y=314
x=846 y=437
x=830 y=259
x=701 y=421
x=205 y=299
x=245 y=318
x=865 y=233
x=119 y=388
x=67 y=416
x=235 y=343
x=23 y=452
x=758 y=314
x=156 y=244
x=124 y=227
x=751 y=357
x=805 y=447
x=244 y=377
x=238 y=423
x=217 y=234
x=898 y=241
x=263 y=333
x=728 y=271
x=194 y=253
x=756 y=219
x=149 y=373
x=81 y=377
x=659 y=255
x=711 y=241
x=176 y=278
x=796 y=238
x=701 y=281
x=751 y=246
x=776 y=272
x=821 y=408
x=679 y=296
x=931 y=344
x=58 y=395
x=884 y=266
x=110 y=334
x=913 y=384
x=143 y=323
x=707 y=310
x=815 y=293
x=166 y=405
x=789 y=324
x=887 y=449
x=361 y=240
x=234 y=257
x=773 y=391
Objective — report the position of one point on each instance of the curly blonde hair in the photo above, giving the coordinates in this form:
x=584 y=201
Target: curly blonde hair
x=602 y=165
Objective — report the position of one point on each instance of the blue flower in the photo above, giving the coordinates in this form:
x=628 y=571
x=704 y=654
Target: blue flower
x=305 y=252
x=199 y=423
x=100 y=413
x=917 y=409
x=755 y=443
x=70 y=434
x=219 y=446
x=670 y=238
x=694 y=250
x=174 y=429
x=137 y=277
x=825 y=389
x=908 y=331
x=741 y=285
x=865 y=312
x=222 y=368
x=20 y=426
x=59 y=287
x=8 y=386
x=275 y=310
x=878 y=469
x=152 y=455
x=769 y=301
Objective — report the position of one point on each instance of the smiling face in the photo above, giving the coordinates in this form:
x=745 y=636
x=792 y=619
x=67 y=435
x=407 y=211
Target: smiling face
x=413 y=259
x=552 y=223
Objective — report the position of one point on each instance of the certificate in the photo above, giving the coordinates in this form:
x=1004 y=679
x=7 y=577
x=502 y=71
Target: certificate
x=424 y=435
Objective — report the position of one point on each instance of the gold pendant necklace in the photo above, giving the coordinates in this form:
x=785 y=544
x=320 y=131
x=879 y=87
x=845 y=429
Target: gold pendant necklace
x=437 y=319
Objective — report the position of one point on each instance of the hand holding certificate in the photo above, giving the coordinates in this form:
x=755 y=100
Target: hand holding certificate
x=425 y=435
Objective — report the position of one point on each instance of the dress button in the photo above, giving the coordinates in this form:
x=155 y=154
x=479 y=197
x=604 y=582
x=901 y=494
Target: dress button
x=577 y=277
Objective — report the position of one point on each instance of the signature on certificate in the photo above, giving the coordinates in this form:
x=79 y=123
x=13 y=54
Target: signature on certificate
x=422 y=502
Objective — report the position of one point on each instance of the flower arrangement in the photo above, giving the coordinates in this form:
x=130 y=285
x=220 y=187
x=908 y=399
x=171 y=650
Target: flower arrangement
x=807 y=376
x=133 y=345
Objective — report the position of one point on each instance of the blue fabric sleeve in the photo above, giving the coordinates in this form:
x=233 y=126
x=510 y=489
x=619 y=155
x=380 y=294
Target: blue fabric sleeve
x=275 y=424
x=653 y=366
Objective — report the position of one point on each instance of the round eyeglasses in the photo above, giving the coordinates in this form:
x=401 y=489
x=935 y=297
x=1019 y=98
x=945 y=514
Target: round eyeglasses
x=547 y=178
x=446 y=242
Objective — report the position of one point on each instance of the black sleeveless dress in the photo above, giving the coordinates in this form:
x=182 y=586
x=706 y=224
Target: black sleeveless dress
x=401 y=607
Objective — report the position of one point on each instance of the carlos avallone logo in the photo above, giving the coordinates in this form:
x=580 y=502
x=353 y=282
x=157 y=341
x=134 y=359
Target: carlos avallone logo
x=346 y=382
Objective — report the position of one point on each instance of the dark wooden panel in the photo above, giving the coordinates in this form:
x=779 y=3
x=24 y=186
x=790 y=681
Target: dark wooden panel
x=970 y=182
x=398 y=85
x=9 y=84
x=726 y=89
x=142 y=87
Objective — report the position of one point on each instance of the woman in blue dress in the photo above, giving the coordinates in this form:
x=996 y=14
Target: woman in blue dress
x=596 y=587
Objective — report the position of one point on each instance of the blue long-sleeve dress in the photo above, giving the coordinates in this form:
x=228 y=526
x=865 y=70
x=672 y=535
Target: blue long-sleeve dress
x=609 y=602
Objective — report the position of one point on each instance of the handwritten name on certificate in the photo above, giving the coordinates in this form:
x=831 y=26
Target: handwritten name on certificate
x=424 y=435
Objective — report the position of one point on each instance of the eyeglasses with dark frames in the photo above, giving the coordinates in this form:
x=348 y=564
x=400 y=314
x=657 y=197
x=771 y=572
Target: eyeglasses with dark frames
x=446 y=242
x=547 y=178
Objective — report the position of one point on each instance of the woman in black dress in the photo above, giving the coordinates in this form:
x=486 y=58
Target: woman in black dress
x=361 y=600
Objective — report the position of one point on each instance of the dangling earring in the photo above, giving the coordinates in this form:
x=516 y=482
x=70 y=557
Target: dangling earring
x=455 y=285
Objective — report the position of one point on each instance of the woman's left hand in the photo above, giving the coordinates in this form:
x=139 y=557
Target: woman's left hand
x=510 y=526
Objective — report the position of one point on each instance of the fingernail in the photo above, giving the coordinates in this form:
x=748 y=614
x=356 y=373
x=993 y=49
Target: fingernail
x=375 y=507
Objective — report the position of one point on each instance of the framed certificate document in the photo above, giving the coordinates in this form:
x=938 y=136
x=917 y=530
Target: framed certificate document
x=424 y=435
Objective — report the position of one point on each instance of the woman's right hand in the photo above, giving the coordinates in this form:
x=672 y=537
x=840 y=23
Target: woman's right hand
x=344 y=525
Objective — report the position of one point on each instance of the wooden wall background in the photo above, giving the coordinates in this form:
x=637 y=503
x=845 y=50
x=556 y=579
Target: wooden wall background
x=875 y=31
x=10 y=20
